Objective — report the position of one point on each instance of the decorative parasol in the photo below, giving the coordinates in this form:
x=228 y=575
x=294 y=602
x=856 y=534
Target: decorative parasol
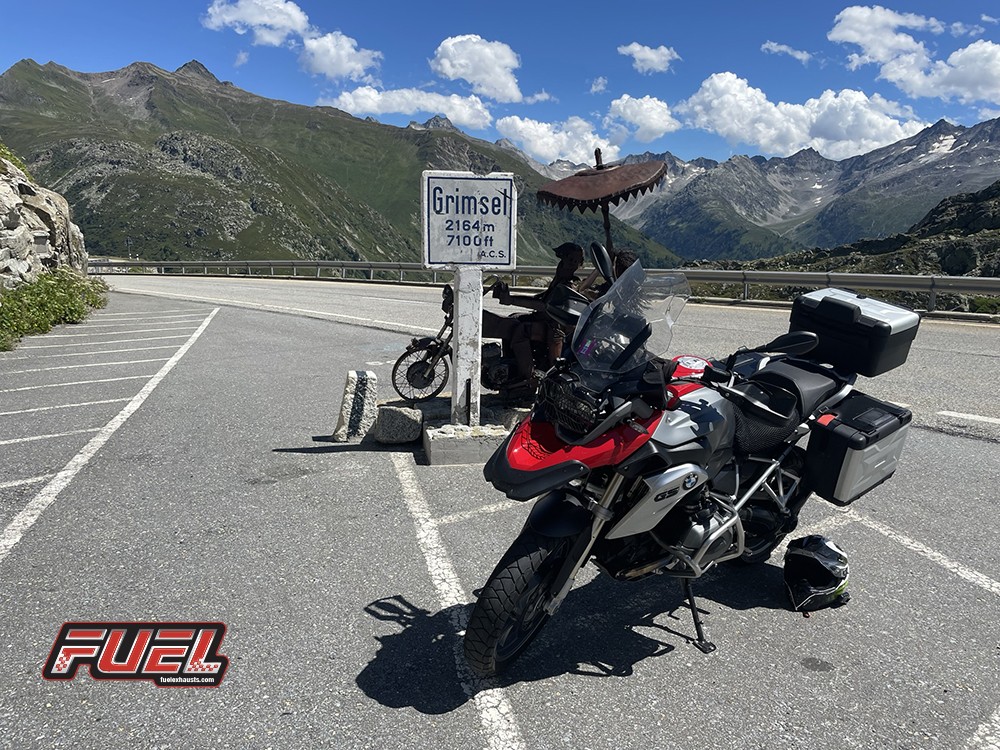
x=602 y=186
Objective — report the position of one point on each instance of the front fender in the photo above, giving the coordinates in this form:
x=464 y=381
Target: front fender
x=556 y=515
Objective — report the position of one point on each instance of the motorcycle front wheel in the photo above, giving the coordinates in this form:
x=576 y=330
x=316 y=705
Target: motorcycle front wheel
x=511 y=611
x=420 y=374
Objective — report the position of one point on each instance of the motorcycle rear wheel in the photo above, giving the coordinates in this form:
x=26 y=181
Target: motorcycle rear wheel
x=420 y=374
x=511 y=611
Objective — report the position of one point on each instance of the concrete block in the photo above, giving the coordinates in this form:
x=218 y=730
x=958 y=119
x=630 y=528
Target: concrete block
x=359 y=407
x=460 y=444
x=398 y=423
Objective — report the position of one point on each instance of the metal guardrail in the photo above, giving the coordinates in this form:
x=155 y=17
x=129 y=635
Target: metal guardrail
x=415 y=272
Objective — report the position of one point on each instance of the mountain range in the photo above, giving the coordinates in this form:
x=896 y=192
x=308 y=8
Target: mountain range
x=179 y=165
x=748 y=207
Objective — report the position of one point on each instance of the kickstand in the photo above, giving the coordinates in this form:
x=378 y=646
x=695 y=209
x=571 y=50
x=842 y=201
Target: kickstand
x=706 y=647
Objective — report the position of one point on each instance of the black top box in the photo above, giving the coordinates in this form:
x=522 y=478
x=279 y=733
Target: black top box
x=856 y=333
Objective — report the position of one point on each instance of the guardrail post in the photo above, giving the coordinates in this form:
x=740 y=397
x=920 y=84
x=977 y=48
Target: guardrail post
x=746 y=290
x=932 y=296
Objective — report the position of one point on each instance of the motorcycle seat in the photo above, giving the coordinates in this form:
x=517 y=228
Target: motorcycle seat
x=811 y=384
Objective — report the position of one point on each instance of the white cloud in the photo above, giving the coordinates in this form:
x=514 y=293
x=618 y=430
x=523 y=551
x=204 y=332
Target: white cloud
x=783 y=49
x=969 y=74
x=541 y=96
x=964 y=29
x=464 y=111
x=837 y=124
x=241 y=58
x=488 y=66
x=574 y=140
x=599 y=85
x=989 y=19
x=271 y=21
x=649 y=115
x=648 y=60
x=335 y=56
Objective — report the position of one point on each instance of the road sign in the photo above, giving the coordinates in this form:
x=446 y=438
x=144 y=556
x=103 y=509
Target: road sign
x=469 y=220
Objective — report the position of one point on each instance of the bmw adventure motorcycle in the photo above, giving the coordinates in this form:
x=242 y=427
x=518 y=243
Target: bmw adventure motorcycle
x=648 y=465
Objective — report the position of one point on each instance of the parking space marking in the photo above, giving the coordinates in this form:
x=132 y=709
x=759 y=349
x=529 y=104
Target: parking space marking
x=963 y=572
x=62 y=406
x=26 y=518
x=35 y=438
x=78 y=382
x=23 y=482
x=113 y=333
x=495 y=710
x=103 y=351
x=973 y=417
x=90 y=343
x=194 y=318
x=92 y=364
x=142 y=315
x=987 y=737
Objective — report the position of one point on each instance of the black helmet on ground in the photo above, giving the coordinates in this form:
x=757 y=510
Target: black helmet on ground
x=816 y=572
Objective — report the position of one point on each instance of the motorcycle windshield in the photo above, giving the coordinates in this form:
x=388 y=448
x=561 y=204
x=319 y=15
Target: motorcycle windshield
x=631 y=324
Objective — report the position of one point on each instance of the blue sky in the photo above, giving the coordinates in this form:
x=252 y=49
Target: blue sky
x=711 y=78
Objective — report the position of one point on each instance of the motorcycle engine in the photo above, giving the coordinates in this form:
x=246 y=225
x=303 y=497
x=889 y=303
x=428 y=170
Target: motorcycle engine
x=680 y=536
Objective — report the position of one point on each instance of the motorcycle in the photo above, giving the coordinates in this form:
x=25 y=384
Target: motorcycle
x=423 y=369
x=648 y=465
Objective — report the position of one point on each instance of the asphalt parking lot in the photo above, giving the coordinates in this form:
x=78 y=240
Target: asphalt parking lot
x=197 y=482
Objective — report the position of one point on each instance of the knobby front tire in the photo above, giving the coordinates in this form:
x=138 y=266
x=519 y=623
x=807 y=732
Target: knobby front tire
x=510 y=611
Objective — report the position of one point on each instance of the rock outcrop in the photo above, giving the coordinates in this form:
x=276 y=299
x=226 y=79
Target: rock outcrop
x=36 y=229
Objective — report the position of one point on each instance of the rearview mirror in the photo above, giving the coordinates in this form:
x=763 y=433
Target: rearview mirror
x=602 y=260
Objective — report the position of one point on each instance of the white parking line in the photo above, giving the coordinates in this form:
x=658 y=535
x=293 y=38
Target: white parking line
x=92 y=364
x=987 y=737
x=102 y=351
x=35 y=438
x=140 y=316
x=116 y=341
x=963 y=572
x=23 y=482
x=24 y=520
x=973 y=417
x=105 y=313
x=78 y=382
x=495 y=710
x=62 y=406
x=194 y=318
x=113 y=333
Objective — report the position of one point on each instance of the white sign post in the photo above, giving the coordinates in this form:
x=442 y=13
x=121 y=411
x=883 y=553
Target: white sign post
x=470 y=225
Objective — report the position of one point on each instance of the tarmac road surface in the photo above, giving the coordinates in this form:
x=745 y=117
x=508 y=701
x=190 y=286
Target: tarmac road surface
x=169 y=460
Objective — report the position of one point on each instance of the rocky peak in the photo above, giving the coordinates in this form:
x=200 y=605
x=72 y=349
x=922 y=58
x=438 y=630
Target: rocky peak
x=438 y=122
x=195 y=69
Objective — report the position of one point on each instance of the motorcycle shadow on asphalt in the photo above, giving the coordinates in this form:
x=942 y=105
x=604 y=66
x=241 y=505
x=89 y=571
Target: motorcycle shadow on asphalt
x=416 y=667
